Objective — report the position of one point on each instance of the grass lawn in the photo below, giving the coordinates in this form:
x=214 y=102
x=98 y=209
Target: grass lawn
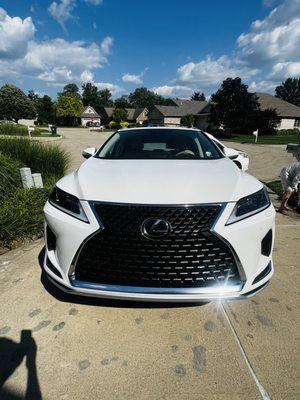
x=276 y=187
x=267 y=139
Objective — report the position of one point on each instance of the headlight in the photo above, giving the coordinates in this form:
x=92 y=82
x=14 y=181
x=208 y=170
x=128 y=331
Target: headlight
x=68 y=203
x=244 y=154
x=249 y=205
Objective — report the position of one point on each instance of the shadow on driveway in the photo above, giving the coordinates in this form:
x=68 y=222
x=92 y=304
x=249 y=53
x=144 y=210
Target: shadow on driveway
x=11 y=356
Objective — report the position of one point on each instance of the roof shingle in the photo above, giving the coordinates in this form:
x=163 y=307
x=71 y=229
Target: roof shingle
x=283 y=108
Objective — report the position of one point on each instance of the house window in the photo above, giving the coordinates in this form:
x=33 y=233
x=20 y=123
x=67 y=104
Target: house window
x=297 y=123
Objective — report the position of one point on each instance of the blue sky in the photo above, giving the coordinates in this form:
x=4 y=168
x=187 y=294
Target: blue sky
x=172 y=47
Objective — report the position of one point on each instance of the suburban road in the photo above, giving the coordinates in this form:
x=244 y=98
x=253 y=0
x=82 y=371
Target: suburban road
x=80 y=348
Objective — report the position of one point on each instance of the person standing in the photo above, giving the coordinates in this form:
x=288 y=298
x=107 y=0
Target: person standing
x=290 y=179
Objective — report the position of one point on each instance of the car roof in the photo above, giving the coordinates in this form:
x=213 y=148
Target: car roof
x=183 y=128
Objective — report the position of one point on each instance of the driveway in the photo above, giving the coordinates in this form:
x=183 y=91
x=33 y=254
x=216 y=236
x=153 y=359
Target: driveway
x=76 y=348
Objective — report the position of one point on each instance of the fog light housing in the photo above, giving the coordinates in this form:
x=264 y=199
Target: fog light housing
x=266 y=244
x=50 y=238
x=263 y=273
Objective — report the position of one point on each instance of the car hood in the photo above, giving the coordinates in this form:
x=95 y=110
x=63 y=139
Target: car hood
x=159 y=181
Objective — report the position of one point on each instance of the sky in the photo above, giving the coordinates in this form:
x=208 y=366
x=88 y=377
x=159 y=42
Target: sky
x=173 y=47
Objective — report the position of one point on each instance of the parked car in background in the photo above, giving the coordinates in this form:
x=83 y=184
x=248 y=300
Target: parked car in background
x=93 y=124
x=240 y=158
x=159 y=214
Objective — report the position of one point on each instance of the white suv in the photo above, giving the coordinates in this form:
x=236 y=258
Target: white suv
x=159 y=214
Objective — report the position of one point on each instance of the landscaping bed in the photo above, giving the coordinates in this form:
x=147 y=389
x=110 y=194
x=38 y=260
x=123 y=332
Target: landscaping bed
x=10 y=129
x=21 y=210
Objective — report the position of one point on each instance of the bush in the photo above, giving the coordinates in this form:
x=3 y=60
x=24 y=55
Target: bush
x=113 y=125
x=124 y=124
x=10 y=177
x=21 y=215
x=16 y=130
x=288 y=131
x=50 y=160
x=188 y=120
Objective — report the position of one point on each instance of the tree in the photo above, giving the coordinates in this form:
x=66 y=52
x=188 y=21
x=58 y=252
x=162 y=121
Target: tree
x=234 y=107
x=96 y=98
x=188 y=120
x=104 y=98
x=14 y=104
x=69 y=108
x=289 y=91
x=266 y=121
x=122 y=102
x=34 y=97
x=90 y=95
x=45 y=110
x=198 y=96
x=119 y=115
x=142 y=97
x=71 y=89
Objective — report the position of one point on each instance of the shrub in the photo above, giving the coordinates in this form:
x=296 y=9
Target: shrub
x=288 y=131
x=10 y=177
x=113 y=125
x=21 y=215
x=124 y=124
x=50 y=160
x=16 y=130
x=188 y=120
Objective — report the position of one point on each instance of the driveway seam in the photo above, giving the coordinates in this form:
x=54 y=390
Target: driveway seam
x=262 y=390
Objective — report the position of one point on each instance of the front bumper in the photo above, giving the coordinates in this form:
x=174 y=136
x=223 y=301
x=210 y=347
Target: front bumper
x=244 y=238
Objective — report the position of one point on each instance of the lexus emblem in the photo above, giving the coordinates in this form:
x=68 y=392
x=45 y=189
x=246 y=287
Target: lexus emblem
x=155 y=228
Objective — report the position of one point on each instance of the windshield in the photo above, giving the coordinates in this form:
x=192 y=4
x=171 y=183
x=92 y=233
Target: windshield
x=161 y=144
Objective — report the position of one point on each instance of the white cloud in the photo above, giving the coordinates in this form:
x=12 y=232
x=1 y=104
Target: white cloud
x=94 y=25
x=94 y=2
x=131 y=78
x=61 y=10
x=174 y=91
x=86 y=76
x=14 y=35
x=262 y=86
x=134 y=78
x=274 y=39
x=106 y=45
x=114 y=89
x=265 y=55
x=211 y=72
x=55 y=61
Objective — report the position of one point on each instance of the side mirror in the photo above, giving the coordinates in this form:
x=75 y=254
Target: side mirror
x=230 y=153
x=89 y=152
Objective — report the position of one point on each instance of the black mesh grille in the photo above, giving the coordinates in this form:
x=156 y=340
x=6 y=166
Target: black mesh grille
x=191 y=256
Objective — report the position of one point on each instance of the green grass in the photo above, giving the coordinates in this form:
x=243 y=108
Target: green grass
x=276 y=187
x=21 y=215
x=266 y=139
x=22 y=130
x=21 y=210
x=10 y=178
x=50 y=160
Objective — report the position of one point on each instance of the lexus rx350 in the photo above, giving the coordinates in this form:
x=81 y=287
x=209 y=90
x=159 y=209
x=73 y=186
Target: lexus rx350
x=159 y=214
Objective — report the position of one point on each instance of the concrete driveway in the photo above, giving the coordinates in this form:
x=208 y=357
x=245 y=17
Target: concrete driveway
x=58 y=347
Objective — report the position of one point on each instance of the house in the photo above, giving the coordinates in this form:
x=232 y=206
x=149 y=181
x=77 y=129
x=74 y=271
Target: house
x=89 y=115
x=137 y=116
x=289 y=114
x=171 y=114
